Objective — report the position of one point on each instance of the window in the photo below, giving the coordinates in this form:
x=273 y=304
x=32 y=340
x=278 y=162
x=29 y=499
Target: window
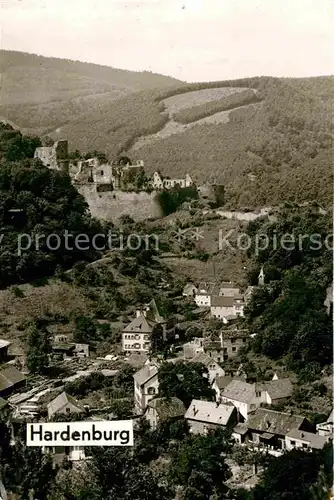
x=151 y=390
x=293 y=443
x=101 y=172
x=252 y=407
x=305 y=445
x=232 y=341
x=258 y=394
x=68 y=410
x=234 y=349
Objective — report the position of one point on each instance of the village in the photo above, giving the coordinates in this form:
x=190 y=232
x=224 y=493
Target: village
x=247 y=408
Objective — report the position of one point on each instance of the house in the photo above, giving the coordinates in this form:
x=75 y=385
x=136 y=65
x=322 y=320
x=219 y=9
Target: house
x=219 y=384
x=189 y=290
x=231 y=341
x=137 y=360
x=213 y=367
x=204 y=293
x=4 y=344
x=203 y=416
x=326 y=428
x=146 y=385
x=249 y=293
x=81 y=350
x=269 y=428
x=195 y=346
x=227 y=307
x=11 y=380
x=160 y=410
x=304 y=440
x=247 y=397
x=276 y=391
x=136 y=337
x=60 y=338
x=63 y=351
x=214 y=350
x=227 y=289
x=63 y=404
x=158 y=181
x=243 y=396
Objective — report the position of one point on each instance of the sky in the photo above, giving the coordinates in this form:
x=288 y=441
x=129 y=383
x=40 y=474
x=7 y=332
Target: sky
x=193 y=40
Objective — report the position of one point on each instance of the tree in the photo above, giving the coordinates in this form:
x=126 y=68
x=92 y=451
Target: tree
x=292 y=476
x=186 y=381
x=39 y=348
x=26 y=470
x=121 y=476
x=85 y=330
x=199 y=465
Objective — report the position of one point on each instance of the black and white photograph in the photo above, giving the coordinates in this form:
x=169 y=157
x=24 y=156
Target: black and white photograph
x=166 y=249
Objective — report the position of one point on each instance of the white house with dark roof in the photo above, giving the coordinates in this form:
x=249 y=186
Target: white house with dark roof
x=204 y=293
x=203 y=416
x=242 y=395
x=161 y=410
x=146 y=386
x=136 y=337
x=248 y=397
x=269 y=428
x=298 y=439
x=227 y=307
x=214 y=369
x=64 y=404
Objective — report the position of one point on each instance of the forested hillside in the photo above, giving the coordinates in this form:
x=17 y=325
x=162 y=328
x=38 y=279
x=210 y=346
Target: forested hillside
x=37 y=91
x=275 y=147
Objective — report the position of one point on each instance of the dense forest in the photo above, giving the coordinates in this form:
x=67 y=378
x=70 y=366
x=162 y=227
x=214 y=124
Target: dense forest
x=283 y=142
x=35 y=203
x=289 y=314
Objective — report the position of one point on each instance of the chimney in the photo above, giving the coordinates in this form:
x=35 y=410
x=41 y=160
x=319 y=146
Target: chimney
x=217 y=404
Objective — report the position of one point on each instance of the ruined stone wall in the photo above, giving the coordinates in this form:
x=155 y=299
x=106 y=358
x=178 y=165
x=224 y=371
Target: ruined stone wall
x=112 y=205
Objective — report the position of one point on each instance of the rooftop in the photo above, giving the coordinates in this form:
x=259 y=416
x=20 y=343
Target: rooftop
x=222 y=382
x=203 y=358
x=10 y=377
x=315 y=441
x=168 y=407
x=222 y=301
x=209 y=412
x=275 y=422
x=239 y=391
x=140 y=324
x=4 y=343
x=145 y=374
x=60 y=401
x=277 y=389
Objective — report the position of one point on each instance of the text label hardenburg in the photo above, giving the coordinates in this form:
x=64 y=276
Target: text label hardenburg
x=105 y=433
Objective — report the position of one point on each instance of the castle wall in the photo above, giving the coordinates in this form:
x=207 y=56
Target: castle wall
x=111 y=205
